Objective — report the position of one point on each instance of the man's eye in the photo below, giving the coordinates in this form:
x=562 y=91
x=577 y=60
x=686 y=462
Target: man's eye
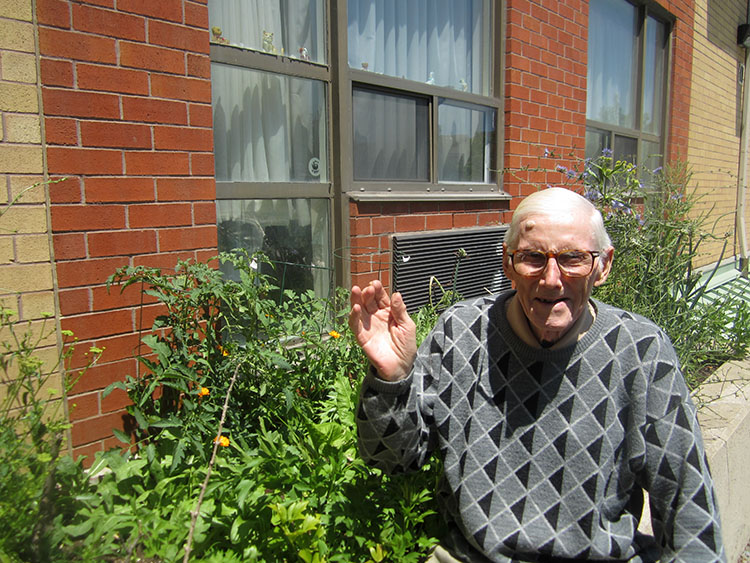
x=533 y=257
x=573 y=257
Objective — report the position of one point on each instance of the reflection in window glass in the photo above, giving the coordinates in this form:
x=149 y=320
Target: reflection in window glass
x=626 y=148
x=295 y=28
x=464 y=143
x=612 y=67
x=391 y=136
x=653 y=75
x=442 y=43
x=293 y=233
x=596 y=141
x=268 y=127
x=651 y=156
x=651 y=161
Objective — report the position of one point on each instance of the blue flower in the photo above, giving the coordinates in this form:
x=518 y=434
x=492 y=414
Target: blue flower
x=607 y=153
x=592 y=194
x=620 y=206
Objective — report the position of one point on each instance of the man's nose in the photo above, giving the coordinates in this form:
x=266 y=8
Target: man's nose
x=552 y=274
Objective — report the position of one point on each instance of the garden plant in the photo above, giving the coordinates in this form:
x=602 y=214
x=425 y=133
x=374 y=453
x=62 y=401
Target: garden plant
x=242 y=444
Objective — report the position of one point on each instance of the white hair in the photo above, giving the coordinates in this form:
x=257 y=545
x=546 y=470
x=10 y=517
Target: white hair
x=554 y=201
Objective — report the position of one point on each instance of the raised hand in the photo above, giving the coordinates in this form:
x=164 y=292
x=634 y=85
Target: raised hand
x=384 y=330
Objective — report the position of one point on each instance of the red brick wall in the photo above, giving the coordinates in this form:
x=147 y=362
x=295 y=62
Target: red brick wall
x=127 y=113
x=545 y=92
x=682 y=70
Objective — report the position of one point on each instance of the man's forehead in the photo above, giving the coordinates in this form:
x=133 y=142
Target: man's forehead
x=565 y=226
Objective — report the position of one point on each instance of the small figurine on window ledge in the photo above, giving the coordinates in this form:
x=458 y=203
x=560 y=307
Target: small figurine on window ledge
x=365 y=65
x=303 y=54
x=216 y=35
x=463 y=84
x=431 y=78
x=268 y=45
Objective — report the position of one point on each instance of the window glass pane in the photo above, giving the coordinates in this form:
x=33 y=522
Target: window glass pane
x=391 y=136
x=268 y=127
x=295 y=28
x=441 y=42
x=612 y=64
x=596 y=142
x=464 y=136
x=626 y=148
x=293 y=233
x=651 y=161
x=653 y=78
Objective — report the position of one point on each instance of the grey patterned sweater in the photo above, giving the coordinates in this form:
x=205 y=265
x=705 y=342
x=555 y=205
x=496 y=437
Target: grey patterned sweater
x=546 y=452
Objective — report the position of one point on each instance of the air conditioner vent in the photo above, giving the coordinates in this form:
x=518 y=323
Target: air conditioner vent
x=419 y=257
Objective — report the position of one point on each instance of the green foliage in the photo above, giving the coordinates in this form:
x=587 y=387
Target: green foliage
x=35 y=478
x=658 y=233
x=289 y=484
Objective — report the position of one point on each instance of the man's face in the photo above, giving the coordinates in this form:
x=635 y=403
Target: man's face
x=552 y=301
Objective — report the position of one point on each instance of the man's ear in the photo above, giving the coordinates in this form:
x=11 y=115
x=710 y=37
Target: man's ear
x=605 y=266
x=508 y=267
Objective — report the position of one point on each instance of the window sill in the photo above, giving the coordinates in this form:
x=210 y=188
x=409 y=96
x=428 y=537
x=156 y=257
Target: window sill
x=428 y=196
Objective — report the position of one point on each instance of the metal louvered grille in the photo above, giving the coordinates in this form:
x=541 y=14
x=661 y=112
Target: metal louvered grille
x=419 y=257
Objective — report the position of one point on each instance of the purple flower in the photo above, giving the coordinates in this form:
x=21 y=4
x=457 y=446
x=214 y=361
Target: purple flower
x=592 y=194
x=607 y=153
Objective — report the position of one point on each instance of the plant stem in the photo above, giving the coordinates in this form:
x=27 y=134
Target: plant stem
x=196 y=511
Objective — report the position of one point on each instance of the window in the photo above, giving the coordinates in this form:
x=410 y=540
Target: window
x=423 y=112
x=271 y=135
x=627 y=72
x=406 y=92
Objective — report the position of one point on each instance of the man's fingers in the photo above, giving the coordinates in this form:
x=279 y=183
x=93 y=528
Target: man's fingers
x=398 y=309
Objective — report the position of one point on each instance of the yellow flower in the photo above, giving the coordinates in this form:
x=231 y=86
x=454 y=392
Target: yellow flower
x=334 y=334
x=223 y=441
x=203 y=391
x=224 y=351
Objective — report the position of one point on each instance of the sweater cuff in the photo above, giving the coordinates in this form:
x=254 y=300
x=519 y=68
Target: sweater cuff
x=388 y=387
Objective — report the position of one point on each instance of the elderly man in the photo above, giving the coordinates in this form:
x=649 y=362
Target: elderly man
x=552 y=411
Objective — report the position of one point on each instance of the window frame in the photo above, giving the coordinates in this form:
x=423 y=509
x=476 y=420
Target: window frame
x=258 y=61
x=645 y=9
x=347 y=79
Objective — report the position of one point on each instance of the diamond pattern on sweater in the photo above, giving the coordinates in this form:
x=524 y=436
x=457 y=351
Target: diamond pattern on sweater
x=544 y=450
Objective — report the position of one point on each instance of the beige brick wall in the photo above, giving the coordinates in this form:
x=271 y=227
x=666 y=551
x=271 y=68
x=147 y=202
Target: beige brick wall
x=26 y=274
x=715 y=114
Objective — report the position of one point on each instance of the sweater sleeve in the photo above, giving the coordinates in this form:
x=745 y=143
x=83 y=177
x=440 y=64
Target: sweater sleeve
x=684 y=513
x=394 y=419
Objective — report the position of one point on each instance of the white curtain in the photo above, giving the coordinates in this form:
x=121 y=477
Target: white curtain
x=294 y=25
x=443 y=42
x=463 y=148
x=391 y=137
x=653 y=78
x=267 y=127
x=612 y=62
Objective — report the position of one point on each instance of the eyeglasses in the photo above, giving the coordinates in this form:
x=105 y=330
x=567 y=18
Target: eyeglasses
x=572 y=263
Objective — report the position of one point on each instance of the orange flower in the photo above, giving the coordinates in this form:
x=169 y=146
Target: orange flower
x=334 y=334
x=223 y=441
x=203 y=391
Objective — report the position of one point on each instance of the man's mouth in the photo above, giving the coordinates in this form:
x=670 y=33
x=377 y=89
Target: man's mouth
x=552 y=301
